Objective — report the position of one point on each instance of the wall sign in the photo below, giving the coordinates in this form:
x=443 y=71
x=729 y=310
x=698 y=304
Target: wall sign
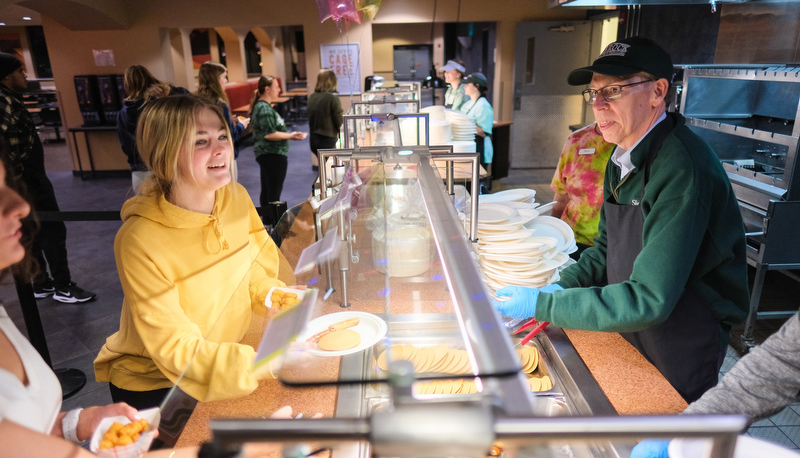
x=343 y=59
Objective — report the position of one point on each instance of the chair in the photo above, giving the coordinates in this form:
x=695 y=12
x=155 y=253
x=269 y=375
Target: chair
x=51 y=117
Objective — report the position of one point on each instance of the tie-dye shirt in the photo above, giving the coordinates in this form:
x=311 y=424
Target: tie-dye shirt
x=579 y=175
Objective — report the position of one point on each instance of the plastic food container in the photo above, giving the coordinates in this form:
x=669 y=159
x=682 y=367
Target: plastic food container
x=404 y=252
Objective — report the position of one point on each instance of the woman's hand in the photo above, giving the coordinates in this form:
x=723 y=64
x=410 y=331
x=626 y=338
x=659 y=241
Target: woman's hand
x=91 y=417
x=244 y=121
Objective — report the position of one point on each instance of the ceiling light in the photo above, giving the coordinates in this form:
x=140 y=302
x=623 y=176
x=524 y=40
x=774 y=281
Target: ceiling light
x=26 y=18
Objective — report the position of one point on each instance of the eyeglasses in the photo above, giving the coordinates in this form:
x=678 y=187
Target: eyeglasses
x=610 y=93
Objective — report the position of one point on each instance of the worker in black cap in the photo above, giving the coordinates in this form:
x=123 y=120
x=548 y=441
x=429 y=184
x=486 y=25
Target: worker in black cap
x=669 y=268
x=27 y=156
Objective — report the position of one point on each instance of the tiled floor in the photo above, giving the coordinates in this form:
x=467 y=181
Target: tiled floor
x=75 y=333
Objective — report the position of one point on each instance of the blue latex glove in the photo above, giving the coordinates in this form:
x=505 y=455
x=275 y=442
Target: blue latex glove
x=522 y=302
x=651 y=448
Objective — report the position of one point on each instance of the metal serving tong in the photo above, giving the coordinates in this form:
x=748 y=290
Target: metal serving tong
x=537 y=328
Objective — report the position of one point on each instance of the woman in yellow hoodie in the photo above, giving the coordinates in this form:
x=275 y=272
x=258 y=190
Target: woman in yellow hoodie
x=194 y=261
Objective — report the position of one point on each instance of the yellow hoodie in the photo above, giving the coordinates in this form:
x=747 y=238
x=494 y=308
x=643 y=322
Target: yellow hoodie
x=190 y=281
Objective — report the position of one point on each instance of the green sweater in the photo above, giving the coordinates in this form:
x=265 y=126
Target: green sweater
x=693 y=235
x=265 y=120
x=324 y=114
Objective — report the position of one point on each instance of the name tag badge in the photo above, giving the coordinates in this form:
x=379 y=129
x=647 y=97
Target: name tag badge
x=585 y=151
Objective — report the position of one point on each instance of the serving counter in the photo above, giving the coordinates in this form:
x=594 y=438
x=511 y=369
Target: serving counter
x=434 y=371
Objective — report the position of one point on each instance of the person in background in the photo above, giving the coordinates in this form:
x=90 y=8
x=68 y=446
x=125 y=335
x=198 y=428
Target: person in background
x=31 y=421
x=141 y=87
x=325 y=114
x=453 y=74
x=578 y=184
x=669 y=267
x=211 y=81
x=271 y=144
x=481 y=111
x=761 y=384
x=194 y=261
x=26 y=154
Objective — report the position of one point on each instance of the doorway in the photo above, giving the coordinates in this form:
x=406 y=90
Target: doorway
x=412 y=62
x=545 y=106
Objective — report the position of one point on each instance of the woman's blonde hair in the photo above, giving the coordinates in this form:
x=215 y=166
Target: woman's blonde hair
x=139 y=83
x=326 y=81
x=165 y=127
x=208 y=84
x=263 y=82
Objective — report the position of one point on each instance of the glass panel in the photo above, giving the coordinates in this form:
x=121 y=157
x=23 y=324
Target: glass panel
x=385 y=129
x=400 y=264
x=530 y=52
x=403 y=91
x=390 y=274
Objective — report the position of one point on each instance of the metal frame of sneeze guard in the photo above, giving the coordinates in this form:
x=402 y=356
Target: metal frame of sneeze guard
x=387 y=154
x=422 y=431
x=433 y=428
x=390 y=117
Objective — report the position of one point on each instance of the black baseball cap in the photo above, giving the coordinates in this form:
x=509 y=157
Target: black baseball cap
x=626 y=57
x=476 y=78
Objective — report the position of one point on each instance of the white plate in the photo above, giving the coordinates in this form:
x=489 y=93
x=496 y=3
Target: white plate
x=566 y=230
x=548 y=264
x=516 y=266
x=531 y=246
x=509 y=257
x=493 y=269
x=513 y=223
x=548 y=226
x=491 y=214
x=517 y=281
x=512 y=267
x=528 y=212
x=516 y=194
x=506 y=236
x=370 y=327
x=517 y=205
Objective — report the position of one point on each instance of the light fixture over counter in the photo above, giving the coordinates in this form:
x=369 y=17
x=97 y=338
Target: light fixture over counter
x=605 y=3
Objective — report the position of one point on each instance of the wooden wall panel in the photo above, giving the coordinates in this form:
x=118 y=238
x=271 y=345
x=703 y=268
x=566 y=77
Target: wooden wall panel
x=758 y=33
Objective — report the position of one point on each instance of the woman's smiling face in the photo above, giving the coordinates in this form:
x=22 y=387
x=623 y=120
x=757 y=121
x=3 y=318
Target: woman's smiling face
x=209 y=167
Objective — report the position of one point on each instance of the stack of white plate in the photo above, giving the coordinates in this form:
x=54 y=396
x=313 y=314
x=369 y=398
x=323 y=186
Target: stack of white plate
x=524 y=195
x=463 y=146
x=435 y=112
x=461 y=125
x=518 y=246
x=549 y=226
x=440 y=133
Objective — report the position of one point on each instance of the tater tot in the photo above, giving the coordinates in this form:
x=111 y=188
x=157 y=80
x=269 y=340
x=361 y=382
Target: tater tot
x=106 y=444
x=124 y=440
x=119 y=434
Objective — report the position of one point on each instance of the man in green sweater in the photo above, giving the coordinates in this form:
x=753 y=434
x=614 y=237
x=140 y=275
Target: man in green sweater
x=669 y=268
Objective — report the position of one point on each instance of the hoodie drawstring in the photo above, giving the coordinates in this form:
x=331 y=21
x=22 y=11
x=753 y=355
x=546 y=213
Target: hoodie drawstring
x=216 y=226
